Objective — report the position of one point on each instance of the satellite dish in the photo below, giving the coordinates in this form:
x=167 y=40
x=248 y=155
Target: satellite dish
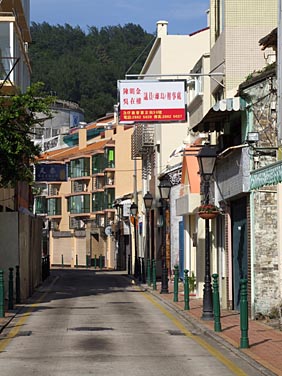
x=108 y=230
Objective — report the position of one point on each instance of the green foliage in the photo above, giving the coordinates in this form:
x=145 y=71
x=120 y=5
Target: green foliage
x=84 y=67
x=17 y=119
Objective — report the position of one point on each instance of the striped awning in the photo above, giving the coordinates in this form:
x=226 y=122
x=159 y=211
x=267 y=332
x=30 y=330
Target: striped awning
x=214 y=119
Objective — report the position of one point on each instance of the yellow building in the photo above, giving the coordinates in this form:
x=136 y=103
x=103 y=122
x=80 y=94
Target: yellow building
x=80 y=207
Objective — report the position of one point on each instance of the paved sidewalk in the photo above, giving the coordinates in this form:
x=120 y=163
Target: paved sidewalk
x=265 y=342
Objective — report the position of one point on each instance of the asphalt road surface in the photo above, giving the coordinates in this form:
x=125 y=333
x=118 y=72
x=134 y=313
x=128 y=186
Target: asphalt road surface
x=84 y=322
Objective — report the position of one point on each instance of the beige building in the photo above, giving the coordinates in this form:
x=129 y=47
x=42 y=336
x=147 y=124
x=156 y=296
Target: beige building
x=172 y=57
x=80 y=209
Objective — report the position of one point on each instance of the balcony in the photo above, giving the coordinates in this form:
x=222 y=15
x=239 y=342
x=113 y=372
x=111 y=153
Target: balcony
x=142 y=141
x=233 y=172
x=109 y=161
x=98 y=164
x=54 y=189
x=79 y=186
x=98 y=183
x=40 y=205
x=109 y=197
x=79 y=168
x=79 y=204
x=98 y=202
x=54 y=207
x=109 y=179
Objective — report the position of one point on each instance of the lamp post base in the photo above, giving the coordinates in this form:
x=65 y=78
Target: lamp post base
x=207 y=303
x=164 y=288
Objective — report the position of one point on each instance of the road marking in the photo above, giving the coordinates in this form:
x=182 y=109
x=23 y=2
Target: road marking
x=228 y=363
x=19 y=323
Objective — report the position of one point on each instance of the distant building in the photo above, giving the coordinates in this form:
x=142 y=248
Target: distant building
x=66 y=117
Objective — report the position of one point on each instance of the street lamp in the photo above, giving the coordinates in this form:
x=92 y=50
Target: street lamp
x=164 y=188
x=148 y=200
x=206 y=159
x=133 y=212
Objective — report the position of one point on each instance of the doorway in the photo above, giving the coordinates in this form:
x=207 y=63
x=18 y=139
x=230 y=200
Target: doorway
x=239 y=246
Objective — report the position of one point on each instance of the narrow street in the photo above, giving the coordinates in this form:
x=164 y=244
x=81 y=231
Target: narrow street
x=99 y=323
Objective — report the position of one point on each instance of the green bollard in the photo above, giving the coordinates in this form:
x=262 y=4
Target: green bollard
x=149 y=272
x=62 y=261
x=18 y=286
x=76 y=261
x=154 y=274
x=95 y=261
x=176 y=280
x=216 y=304
x=129 y=265
x=186 y=291
x=244 y=320
x=100 y=262
x=11 y=289
x=2 y=294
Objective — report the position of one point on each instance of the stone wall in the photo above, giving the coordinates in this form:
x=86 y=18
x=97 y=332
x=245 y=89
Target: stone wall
x=266 y=273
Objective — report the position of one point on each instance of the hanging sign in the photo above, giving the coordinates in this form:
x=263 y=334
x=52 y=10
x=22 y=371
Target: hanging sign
x=152 y=101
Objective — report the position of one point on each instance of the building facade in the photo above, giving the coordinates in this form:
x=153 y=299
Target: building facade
x=80 y=208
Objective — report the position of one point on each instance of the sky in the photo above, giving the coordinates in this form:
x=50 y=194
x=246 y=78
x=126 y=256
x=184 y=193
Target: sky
x=183 y=16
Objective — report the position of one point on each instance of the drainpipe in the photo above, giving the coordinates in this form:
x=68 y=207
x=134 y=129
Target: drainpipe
x=252 y=241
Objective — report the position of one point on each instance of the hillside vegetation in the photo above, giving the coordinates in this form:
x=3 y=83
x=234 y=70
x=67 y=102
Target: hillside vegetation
x=84 y=67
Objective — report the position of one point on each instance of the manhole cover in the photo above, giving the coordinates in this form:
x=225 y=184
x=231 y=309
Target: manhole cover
x=90 y=329
x=24 y=333
x=175 y=333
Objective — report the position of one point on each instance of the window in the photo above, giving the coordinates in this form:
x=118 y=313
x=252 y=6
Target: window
x=40 y=205
x=79 y=204
x=98 y=201
x=79 y=168
x=54 y=206
x=219 y=17
x=110 y=157
x=109 y=198
x=97 y=163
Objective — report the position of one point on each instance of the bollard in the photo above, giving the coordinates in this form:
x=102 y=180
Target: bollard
x=76 y=261
x=216 y=304
x=143 y=278
x=244 y=323
x=186 y=291
x=129 y=265
x=2 y=294
x=95 y=261
x=100 y=262
x=11 y=289
x=48 y=265
x=62 y=261
x=154 y=274
x=176 y=279
x=18 y=286
x=149 y=282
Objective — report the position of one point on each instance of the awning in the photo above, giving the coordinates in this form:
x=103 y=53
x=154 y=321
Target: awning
x=214 y=119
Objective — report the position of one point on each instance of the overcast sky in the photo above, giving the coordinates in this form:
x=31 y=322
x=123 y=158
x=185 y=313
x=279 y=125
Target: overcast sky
x=183 y=16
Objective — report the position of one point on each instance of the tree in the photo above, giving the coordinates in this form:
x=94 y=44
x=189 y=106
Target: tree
x=18 y=116
x=84 y=67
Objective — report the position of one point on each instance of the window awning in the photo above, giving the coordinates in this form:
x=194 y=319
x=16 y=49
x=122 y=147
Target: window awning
x=214 y=119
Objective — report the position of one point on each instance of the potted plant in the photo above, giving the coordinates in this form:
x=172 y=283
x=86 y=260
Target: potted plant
x=208 y=211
